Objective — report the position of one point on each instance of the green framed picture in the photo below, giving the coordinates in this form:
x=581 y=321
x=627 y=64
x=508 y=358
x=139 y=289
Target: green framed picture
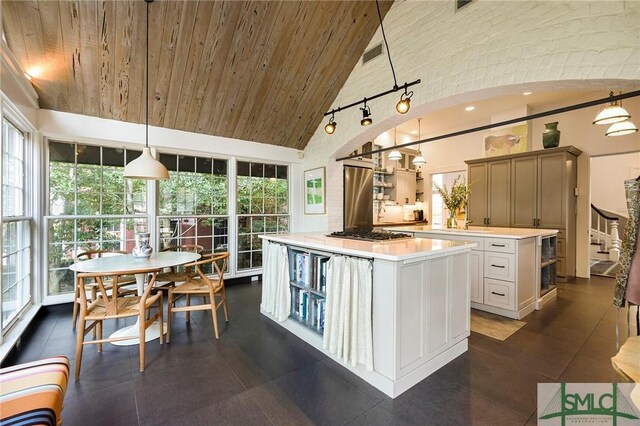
x=314 y=191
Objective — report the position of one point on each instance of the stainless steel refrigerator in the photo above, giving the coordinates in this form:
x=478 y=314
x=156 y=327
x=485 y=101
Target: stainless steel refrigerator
x=358 y=198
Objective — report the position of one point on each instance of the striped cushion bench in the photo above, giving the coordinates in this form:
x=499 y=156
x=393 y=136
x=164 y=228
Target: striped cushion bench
x=33 y=393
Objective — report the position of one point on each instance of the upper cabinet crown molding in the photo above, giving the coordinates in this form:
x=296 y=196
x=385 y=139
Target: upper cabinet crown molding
x=569 y=148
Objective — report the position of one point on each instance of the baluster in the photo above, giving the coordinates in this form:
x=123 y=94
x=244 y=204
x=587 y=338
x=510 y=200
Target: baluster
x=614 y=251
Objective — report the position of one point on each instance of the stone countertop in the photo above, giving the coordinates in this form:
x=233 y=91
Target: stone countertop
x=406 y=222
x=476 y=231
x=394 y=250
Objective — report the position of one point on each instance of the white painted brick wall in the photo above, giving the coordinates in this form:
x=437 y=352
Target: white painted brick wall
x=485 y=49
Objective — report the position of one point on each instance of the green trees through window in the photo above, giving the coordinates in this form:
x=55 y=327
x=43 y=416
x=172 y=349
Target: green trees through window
x=262 y=208
x=193 y=203
x=91 y=206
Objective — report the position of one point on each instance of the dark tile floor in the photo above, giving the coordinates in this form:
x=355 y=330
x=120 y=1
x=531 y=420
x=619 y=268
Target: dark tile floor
x=258 y=373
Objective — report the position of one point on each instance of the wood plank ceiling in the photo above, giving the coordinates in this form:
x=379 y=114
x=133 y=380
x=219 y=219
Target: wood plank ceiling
x=263 y=71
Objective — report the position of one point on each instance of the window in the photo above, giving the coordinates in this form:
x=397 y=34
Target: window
x=91 y=206
x=193 y=206
x=16 y=226
x=262 y=208
x=439 y=211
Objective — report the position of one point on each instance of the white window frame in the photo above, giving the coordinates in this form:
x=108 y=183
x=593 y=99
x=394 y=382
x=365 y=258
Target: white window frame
x=32 y=176
x=51 y=299
x=237 y=216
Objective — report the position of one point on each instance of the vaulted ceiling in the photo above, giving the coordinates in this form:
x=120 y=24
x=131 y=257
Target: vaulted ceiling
x=255 y=70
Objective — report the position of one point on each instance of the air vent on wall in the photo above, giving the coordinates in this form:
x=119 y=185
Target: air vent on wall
x=372 y=53
x=462 y=3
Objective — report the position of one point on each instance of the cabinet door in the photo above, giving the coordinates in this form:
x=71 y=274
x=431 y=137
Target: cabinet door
x=476 y=276
x=499 y=193
x=477 y=202
x=551 y=190
x=405 y=187
x=524 y=184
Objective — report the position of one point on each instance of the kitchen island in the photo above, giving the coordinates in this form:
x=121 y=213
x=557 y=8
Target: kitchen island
x=512 y=270
x=419 y=307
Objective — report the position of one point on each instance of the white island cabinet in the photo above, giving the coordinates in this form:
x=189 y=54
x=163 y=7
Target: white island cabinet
x=512 y=270
x=419 y=306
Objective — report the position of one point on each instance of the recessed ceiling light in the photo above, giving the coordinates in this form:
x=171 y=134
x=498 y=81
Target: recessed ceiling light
x=470 y=108
x=527 y=93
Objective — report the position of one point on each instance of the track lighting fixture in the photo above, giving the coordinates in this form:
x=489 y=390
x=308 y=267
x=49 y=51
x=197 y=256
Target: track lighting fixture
x=395 y=154
x=621 y=128
x=331 y=126
x=366 y=115
x=419 y=159
x=612 y=113
x=404 y=104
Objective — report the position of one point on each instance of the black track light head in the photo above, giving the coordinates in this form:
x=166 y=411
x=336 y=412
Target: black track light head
x=331 y=126
x=366 y=116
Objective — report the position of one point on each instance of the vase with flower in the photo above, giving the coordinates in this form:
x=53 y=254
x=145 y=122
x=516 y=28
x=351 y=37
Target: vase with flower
x=455 y=199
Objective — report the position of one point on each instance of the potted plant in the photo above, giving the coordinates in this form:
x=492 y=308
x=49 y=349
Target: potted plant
x=454 y=199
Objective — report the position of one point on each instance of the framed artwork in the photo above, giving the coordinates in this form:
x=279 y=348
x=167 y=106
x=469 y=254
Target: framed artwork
x=314 y=191
x=507 y=140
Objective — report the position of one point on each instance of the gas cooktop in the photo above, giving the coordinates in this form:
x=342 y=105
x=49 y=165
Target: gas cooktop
x=367 y=236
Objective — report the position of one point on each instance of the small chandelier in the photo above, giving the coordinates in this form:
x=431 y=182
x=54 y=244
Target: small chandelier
x=395 y=154
x=419 y=160
x=612 y=113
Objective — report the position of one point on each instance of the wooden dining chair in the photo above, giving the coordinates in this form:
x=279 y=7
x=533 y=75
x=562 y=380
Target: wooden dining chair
x=176 y=274
x=110 y=306
x=126 y=285
x=203 y=286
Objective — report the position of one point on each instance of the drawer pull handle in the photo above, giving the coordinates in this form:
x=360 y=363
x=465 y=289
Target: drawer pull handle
x=498 y=245
x=498 y=266
x=498 y=294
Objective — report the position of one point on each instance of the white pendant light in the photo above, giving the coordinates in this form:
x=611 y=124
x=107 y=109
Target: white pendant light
x=145 y=166
x=395 y=154
x=419 y=159
x=612 y=113
x=622 y=128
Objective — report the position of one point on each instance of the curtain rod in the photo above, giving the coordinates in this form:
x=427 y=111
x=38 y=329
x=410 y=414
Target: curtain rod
x=504 y=123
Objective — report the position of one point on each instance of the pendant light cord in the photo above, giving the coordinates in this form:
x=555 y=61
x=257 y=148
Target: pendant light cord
x=146 y=112
x=384 y=37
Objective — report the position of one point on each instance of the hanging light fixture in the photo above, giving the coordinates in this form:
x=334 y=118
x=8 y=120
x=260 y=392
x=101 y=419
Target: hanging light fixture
x=395 y=154
x=404 y=104
x=621 y=128
x=612 y=113
x=419 y=159
x=366 y=115
x=331 y=126
x=145 y=166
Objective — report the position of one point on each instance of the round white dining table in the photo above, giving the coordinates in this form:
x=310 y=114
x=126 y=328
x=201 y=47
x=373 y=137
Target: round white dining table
x=127 y=262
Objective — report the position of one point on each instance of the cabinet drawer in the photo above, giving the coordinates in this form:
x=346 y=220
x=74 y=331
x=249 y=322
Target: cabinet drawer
x=501 y=294
x=560 y=267
x=499 y=265
x=503 y=245
x=562 y=244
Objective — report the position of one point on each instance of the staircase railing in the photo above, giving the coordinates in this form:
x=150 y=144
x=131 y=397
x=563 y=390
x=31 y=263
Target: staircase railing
x=608 y=225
